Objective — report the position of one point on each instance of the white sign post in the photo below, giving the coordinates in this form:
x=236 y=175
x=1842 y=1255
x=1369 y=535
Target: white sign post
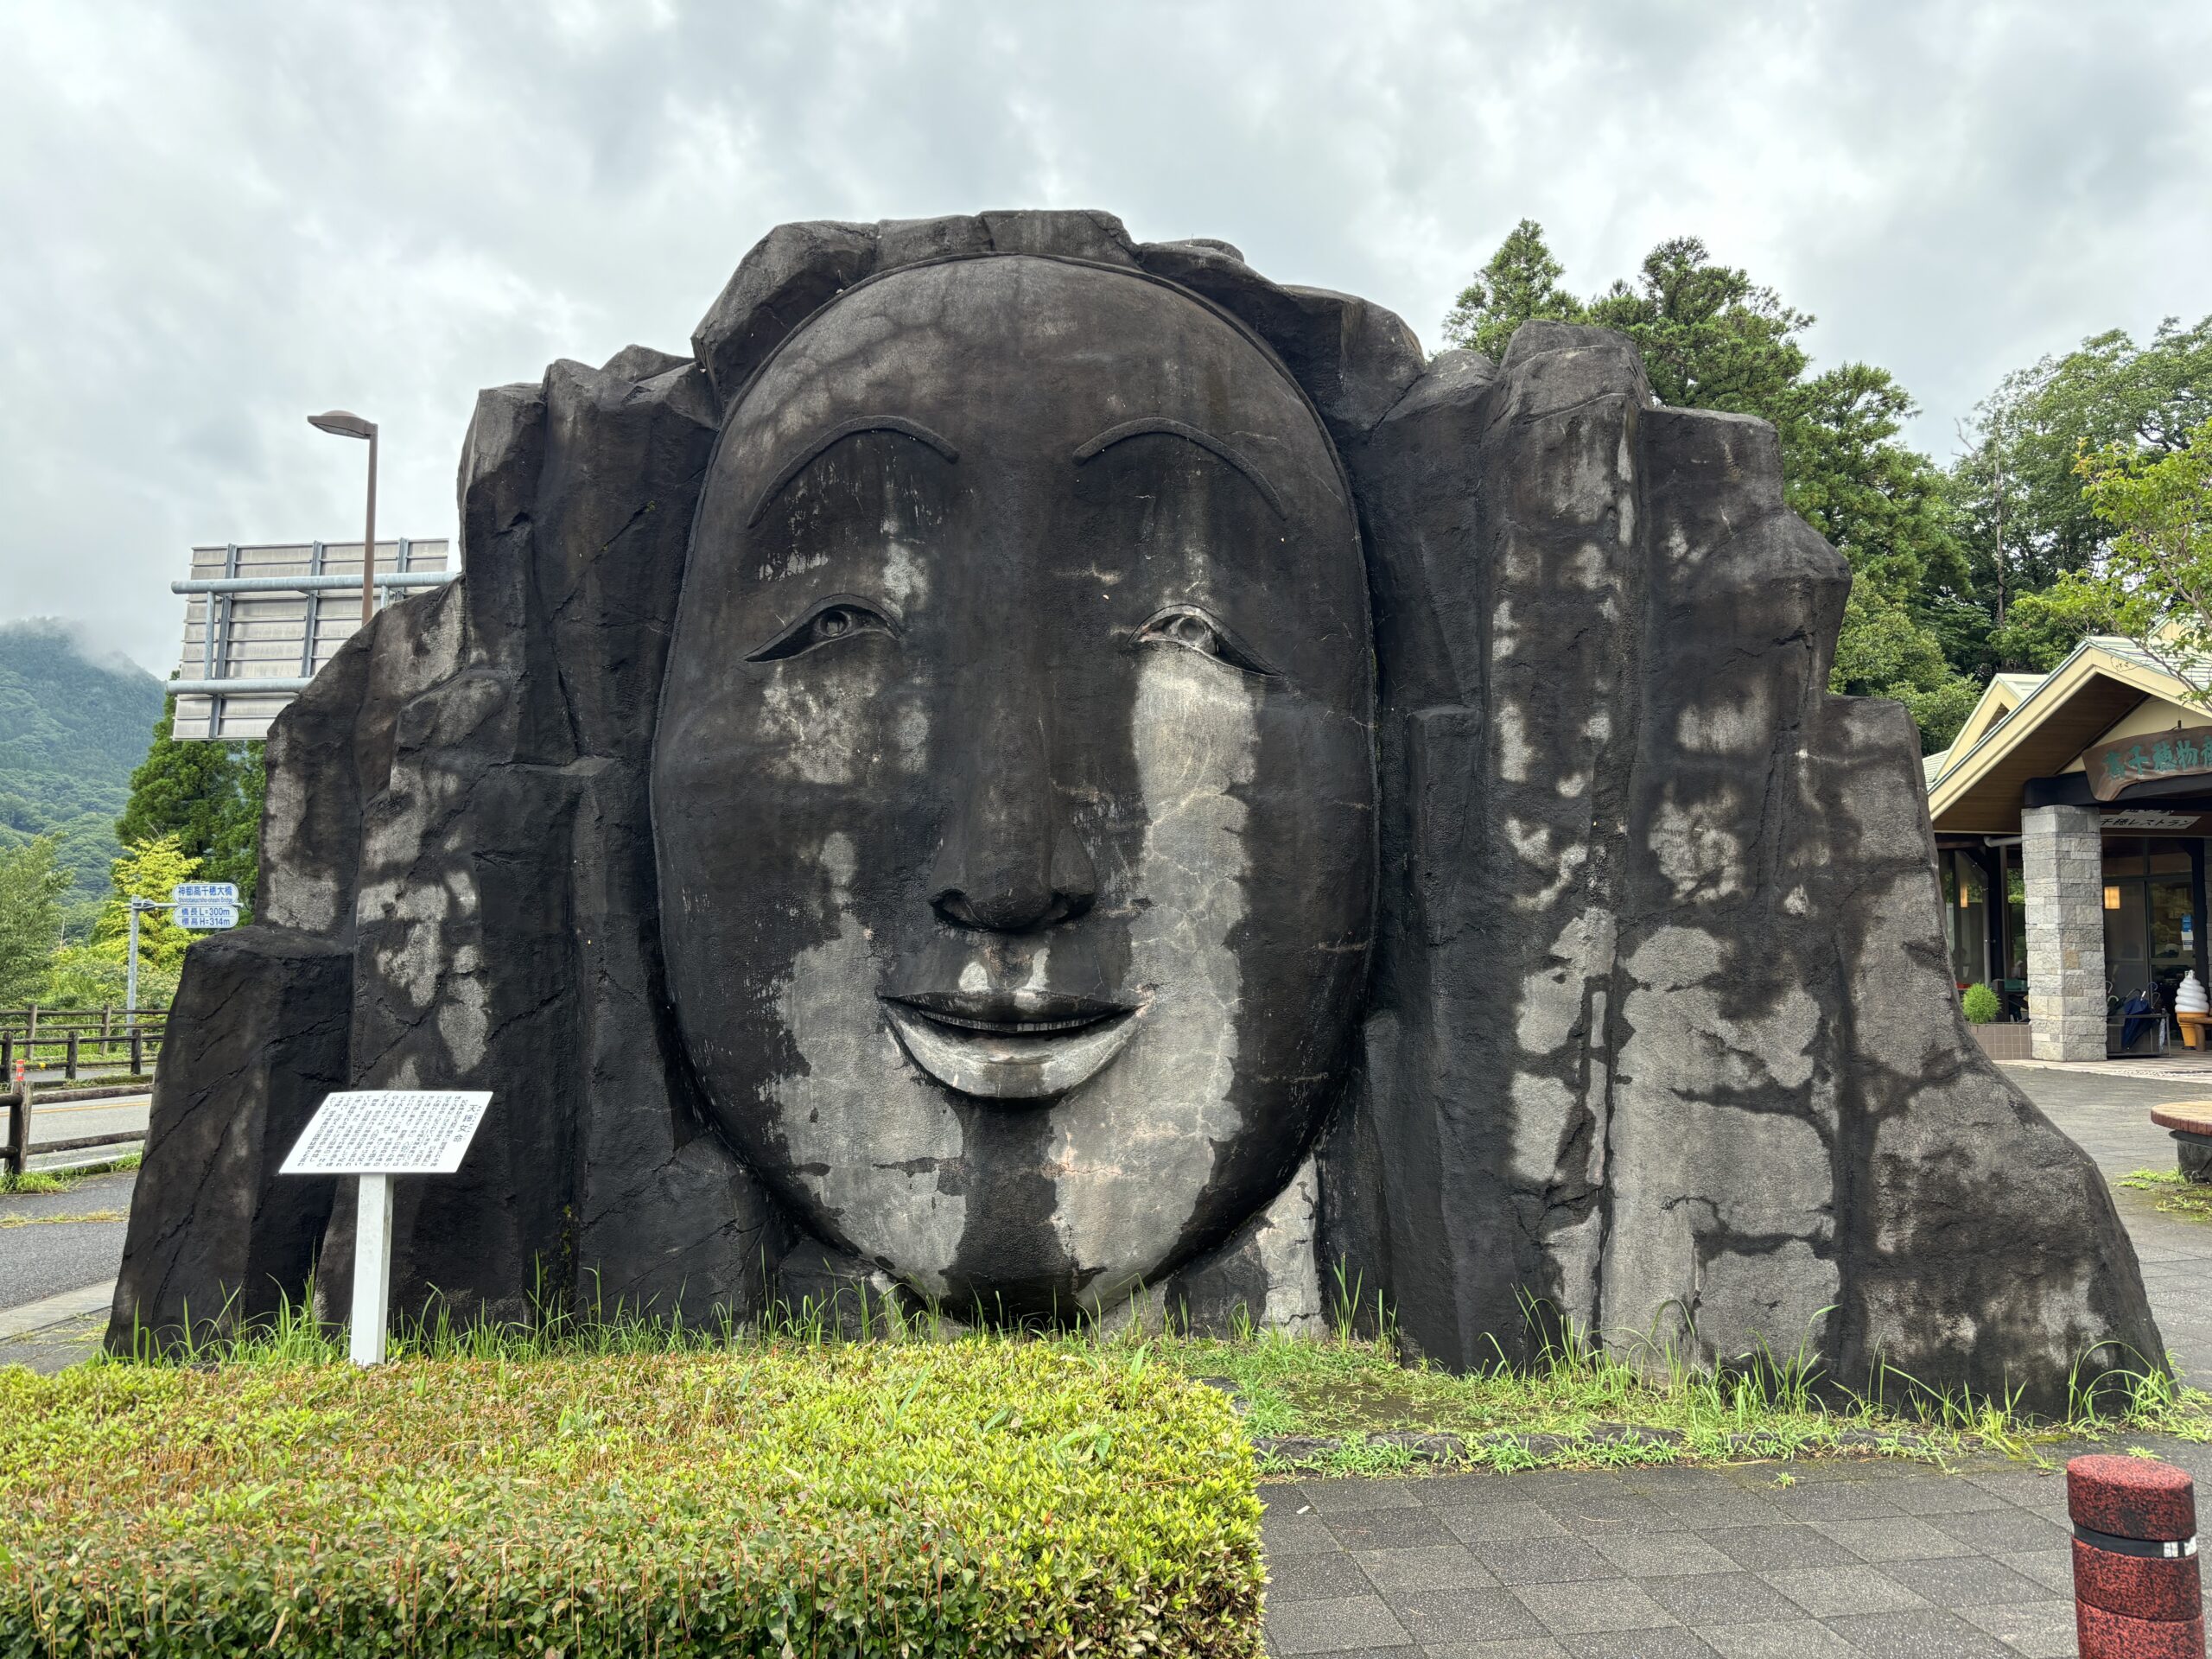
x=376 y=1133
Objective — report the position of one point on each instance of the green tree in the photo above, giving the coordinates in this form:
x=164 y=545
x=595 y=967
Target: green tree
x=2023 y=514
x=2041 y=629
x=1519 y=284
x=1883 y=652
x=1711 y=337
x=32 y=883
x=2157 y=571
x=208 y=796
x=97 y=972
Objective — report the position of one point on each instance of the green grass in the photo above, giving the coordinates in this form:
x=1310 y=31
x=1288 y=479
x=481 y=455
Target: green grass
x=41 y=1181
x=628 y=1494
x=1359 y=1407
x=2177 y=1195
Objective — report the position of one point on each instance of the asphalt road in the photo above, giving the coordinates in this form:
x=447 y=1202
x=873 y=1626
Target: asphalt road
x=44 y=1252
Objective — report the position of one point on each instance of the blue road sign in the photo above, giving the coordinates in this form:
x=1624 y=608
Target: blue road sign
x=205 y=892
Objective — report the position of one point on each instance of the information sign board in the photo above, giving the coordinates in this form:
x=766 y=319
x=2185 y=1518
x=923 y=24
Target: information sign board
x=204 y=892
x=204 y=917
x=389 y=1132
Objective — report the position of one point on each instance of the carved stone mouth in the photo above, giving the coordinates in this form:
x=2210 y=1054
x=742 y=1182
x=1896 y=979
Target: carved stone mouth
x=1010 y=1044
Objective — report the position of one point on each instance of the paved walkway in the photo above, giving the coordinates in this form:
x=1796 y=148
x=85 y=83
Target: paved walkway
x=1760 y=1562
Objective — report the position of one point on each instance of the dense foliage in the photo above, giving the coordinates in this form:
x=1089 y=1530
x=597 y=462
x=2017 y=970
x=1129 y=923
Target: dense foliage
x=71 y=729
x=2000 y=562
x=970 y=1497
x=32 y=882
x=205 y=797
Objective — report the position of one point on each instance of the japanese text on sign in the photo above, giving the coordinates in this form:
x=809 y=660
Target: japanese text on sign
x=2113 y=766
x=389 y=1132
x=205 y=916
x=204 y=892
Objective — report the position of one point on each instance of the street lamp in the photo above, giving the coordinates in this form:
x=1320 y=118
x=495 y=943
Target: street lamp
x=347 y=425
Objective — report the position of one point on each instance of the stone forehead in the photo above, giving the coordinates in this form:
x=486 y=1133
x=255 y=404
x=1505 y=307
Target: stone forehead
x=1039 y=330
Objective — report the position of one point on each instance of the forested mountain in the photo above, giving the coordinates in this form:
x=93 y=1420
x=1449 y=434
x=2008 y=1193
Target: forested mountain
x=70 y=731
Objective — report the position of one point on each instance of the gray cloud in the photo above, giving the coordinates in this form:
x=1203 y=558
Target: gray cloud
x=220 y=217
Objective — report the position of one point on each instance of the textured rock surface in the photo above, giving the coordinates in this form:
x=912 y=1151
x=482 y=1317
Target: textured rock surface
x=1647 y=1028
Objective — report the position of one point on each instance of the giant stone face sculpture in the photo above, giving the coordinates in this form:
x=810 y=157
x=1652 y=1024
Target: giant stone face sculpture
x=1015 y=845
x=1049 y=773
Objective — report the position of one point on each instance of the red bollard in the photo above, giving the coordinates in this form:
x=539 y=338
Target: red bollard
x=2137 y=1591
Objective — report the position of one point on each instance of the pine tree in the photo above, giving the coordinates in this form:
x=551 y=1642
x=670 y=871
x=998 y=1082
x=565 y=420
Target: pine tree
x=1519 y=284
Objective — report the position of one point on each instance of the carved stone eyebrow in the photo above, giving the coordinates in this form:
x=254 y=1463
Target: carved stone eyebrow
x=1205 y=440
x=843 y=429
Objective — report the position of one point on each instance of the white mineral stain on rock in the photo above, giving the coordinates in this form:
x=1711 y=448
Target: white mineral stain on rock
x=1289 y=1241
x=865 y=1131
x=1740 y=721
x=1702 y=861
x=1131 y=1149
x=1551 y=998
x=1694 y=1169
x=1514 y=753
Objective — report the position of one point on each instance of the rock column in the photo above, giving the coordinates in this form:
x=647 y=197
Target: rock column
x=2062 y=861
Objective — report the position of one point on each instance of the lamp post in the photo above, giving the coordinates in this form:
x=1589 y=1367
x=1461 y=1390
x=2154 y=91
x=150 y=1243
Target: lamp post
x=347 y=425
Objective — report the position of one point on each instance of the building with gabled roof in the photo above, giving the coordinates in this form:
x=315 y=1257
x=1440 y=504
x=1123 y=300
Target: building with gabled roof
x=2070 y=814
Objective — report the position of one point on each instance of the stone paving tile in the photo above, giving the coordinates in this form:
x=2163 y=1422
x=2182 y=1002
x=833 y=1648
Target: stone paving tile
x=1964 y=1582
x=1925 y=1634
x=1893 y=1538
x=1941 y=1494
x=1541 y=1647
x=1591 y=1513
x=1352 y=1624
x=1433 y=1566
x=1638 y=1644
x=1435 y=1617
x=1284 y=1532
x=1994 y=1532
x=1831 y=1591
x=1543 y=1561
x=1798 y=1638
x=1833 y=1501
x=1328 y=1577
x=2051 y=1568
x=2037 y=1630
x=1355 y=1494
x=1764 y=1547
x=1586 y=1609
x=1661 y=1554
x=1478 y=1523
x=1708 y=1599
x=1420 y=1527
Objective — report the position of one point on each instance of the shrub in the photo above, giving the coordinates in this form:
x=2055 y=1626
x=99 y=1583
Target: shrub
x=976 y=1497
x=1980 y=1005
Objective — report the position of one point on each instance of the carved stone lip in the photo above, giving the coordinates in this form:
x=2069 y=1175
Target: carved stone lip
x=1010 y=1044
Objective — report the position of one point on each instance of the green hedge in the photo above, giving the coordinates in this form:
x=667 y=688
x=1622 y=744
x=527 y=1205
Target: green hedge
x=977 y=1497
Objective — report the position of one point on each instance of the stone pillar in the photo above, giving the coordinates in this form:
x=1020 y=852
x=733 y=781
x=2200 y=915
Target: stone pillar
x=2061 y=862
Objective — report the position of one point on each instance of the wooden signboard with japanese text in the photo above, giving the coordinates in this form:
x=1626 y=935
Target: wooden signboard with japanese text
x=2115 y=765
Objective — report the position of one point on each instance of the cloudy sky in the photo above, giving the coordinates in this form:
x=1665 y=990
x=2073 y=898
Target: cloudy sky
x=217 y=218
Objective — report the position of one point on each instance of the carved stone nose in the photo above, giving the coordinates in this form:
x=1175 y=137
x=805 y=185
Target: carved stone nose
x=1009 y=882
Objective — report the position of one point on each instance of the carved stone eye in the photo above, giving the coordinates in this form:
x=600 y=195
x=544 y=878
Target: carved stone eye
x=839 y=617
x=1193 y=630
